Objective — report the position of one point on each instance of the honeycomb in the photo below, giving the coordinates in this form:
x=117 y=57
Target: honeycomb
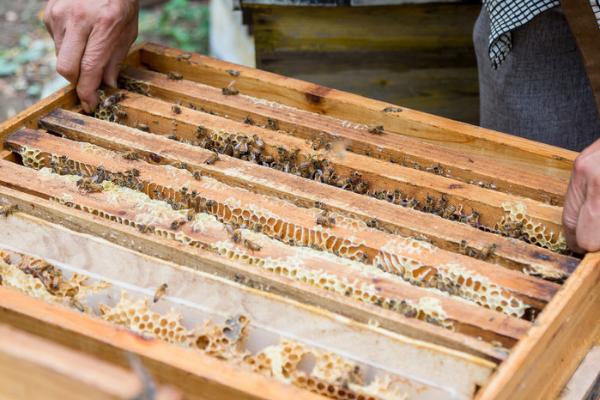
x=450 y=278
x=332 y=375
x=447 y=278
x=41 y=280
x=150 y=212
x=516 y=223
x=293 y=268
x=316 y=167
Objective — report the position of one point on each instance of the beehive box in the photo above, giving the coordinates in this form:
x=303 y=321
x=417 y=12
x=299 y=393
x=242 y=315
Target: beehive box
x=418 y=55
x=253 y=236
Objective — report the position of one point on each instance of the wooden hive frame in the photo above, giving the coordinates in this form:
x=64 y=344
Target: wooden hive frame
x=449 y=189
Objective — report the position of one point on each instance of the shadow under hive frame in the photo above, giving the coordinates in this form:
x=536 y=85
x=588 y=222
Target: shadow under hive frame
x=436 y=238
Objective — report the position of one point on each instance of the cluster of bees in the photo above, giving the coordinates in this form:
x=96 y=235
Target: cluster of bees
x=312 y=167
x=93 y=184
x=432 y=205
x=484 y=254
x=325 y=220
x=511 y=230
x=317 y=168
x=108 y=107
x=134 y=85
x=52 y=279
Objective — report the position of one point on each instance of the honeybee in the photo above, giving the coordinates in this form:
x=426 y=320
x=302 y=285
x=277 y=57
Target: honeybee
x=230 y=90
x=272 y=124
x=133 y=171
x=258 y=142
x=233 y=72
x=86 y=185
x=214 y=157
x=154 y=157
x=487 y=252
x=197 y=175
x=248 y=120
x=448 y=211
x=7 y=210
x=325 y=220
x=373 y=223
x=235 y=234
x=76 y=304
x=201 y=132
x=361 y=187
x=268 y=159
x=176 y=76
x=376 y=130
x=177 y=224
x=251 y=245
x=176 y=109
x=160 y=292
x=210 y=204
x=121 y=114
x=142 y=127
x=131 y=155
x=111 y=101
x=145 y=228
x=392 y=109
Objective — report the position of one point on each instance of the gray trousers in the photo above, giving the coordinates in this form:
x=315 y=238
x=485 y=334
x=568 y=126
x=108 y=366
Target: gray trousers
x=541 y=91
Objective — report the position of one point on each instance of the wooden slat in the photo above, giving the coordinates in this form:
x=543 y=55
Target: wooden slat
x=62 y=98
x=585 y=382
x=542 y=362
x=443 y=233
x=374 y=243
x=206 y=378
x=465 y=317
x=381 y=175
x=519 y=152
x=80 y=221
x=307 y=125
x=35 y=368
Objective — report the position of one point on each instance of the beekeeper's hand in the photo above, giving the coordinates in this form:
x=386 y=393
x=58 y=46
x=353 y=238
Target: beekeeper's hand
x=92 y=38
x=581 y=216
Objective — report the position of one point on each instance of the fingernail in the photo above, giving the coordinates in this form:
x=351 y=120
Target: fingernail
x=112 y=82
x=86 y=107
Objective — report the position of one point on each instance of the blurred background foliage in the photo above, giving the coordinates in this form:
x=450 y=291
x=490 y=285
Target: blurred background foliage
x=178 y=23
x=27 y=56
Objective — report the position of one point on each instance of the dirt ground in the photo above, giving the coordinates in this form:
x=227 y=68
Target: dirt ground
x=27 y=55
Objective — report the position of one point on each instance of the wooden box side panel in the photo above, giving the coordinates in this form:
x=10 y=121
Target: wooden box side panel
x=543 y=361
x=205 y=377
x=31 y=365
